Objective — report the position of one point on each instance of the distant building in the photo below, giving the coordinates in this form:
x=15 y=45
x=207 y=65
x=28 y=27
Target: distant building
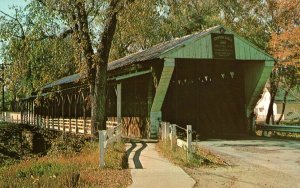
x=262 y=106
x=292 y=107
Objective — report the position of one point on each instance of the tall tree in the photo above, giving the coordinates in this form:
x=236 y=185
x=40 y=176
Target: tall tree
x=34 y=59
x=284 y=45
x=49 y=20
x=92 y=43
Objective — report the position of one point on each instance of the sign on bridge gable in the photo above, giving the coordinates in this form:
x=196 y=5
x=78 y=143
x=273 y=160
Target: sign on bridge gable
x=223 y=46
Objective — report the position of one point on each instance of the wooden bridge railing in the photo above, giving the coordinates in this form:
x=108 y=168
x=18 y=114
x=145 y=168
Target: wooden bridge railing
x=168 y=132
x=82 y=126
x=112 y=134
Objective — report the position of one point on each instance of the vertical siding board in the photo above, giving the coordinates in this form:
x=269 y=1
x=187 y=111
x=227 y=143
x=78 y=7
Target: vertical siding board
x=203 y=49
x=209 y=47
x=196 y=49
x=187 y=51
x=237 y=48
x=244 y=51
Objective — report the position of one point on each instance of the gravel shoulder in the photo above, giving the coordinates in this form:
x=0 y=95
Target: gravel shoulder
x=251 y=163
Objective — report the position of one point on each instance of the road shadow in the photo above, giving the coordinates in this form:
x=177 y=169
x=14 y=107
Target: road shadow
x=137 y=154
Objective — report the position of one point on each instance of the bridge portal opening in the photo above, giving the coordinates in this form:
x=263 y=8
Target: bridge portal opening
x=209 y=95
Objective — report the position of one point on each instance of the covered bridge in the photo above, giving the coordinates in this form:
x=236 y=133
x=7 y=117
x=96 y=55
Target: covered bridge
x=210 y=80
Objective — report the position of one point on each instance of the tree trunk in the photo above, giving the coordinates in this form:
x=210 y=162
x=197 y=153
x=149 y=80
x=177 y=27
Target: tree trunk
x=99 y=99
x=273 y=90
x=283 y=106
x=99 y=96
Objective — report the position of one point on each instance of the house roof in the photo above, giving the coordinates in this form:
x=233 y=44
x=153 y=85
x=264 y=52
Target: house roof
x=290 y=97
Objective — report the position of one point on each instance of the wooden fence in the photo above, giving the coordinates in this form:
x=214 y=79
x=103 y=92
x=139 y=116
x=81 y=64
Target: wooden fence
x=82 y=126
x=78 y=126
x=106 y=137
x=13 y=117
x=168 y=132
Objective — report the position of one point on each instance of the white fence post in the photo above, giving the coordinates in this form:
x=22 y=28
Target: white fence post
x=161 y=131
x=173 y=140
x=189 y=140
x=102 y=140
x=167 y=131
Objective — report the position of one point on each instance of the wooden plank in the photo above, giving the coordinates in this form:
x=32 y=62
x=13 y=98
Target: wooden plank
x=133 y=75
x=173 y=138
x=119 y=102
x=161 y=91
x=258 y=89
x=163 y=85
x=181 y=143
x=189 y=139
x=102 y=140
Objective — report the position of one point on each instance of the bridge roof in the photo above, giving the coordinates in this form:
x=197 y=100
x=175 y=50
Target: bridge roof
x=197 y=45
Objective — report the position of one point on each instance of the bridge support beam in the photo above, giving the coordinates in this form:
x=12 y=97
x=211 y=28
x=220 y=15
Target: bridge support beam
x=161 y=91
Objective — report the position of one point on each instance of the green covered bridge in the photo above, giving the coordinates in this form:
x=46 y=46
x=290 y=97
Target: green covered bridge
x=210 y=80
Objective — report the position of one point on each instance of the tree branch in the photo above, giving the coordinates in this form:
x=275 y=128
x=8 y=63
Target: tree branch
x=19 y=23
x=60 y=36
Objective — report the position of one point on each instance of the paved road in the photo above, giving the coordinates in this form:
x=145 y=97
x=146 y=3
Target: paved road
x=149 y=169
x=272 y=162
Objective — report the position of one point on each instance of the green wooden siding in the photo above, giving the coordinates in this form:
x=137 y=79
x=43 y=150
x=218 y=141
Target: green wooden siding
x=256 y=94
x=201 y=48
x=247 y=51
x=196 y=49
x=252 y=74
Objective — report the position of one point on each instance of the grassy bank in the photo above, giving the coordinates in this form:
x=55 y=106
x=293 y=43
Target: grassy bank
x=199 y=157
x=281 y=135
x=68 y=162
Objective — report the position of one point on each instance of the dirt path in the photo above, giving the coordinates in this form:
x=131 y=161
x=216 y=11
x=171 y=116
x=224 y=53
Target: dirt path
x=252 y=163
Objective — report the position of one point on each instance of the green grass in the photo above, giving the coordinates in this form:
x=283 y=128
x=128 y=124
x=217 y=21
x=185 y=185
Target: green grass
x=282 y=135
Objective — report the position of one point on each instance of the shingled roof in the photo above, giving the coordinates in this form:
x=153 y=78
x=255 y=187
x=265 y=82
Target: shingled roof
x=148 y=54
x=156 y=51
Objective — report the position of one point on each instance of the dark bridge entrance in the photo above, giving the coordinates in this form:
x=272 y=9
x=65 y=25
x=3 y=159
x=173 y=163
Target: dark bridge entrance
x=208 y=95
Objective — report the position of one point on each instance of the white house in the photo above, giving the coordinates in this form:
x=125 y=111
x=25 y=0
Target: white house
x=261 y=108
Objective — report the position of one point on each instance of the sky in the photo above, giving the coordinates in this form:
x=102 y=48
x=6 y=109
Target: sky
x=5 y=4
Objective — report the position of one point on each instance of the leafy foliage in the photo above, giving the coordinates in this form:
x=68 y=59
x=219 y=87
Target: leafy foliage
x=148 y=22
x=284 y=45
